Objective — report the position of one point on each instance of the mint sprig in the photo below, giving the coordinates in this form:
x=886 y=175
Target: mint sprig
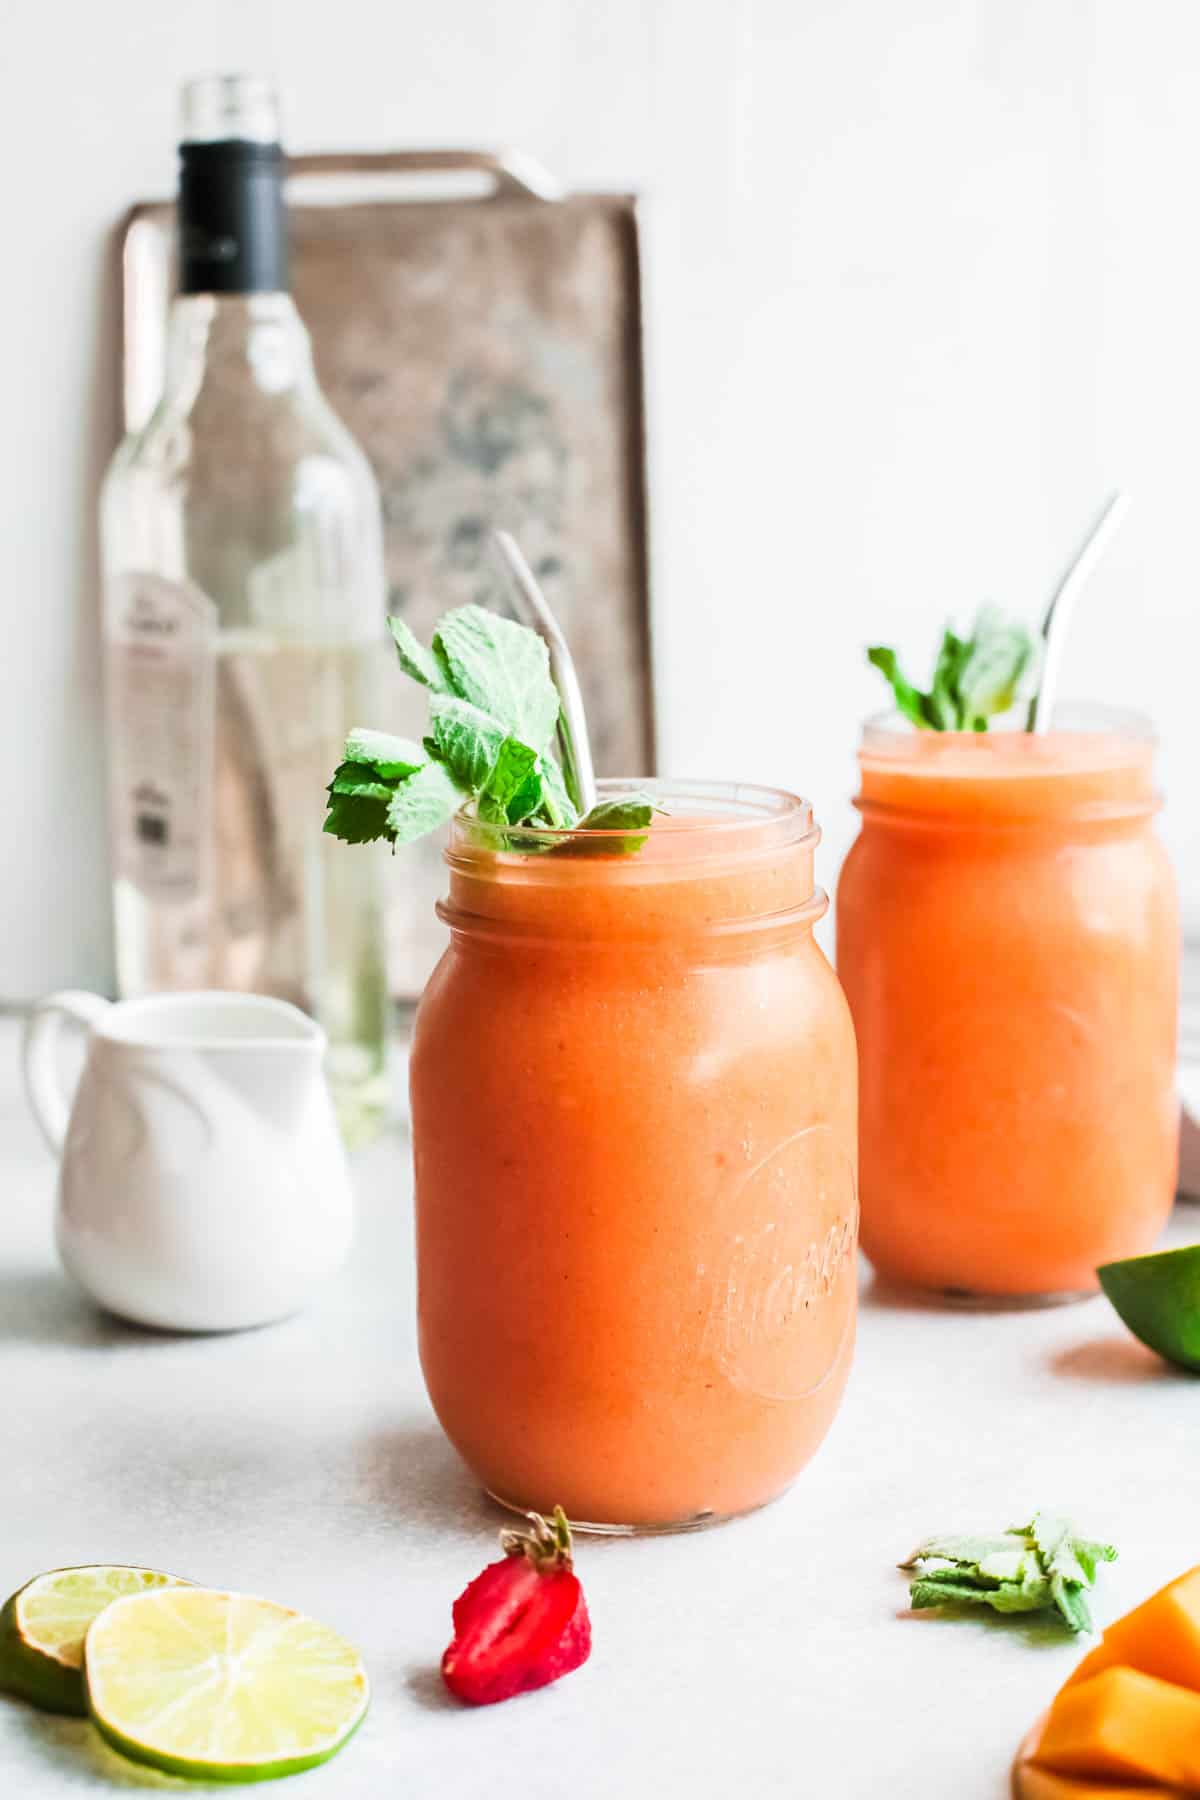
x=493 y=715
x=975 y=679
x=1039 y=1567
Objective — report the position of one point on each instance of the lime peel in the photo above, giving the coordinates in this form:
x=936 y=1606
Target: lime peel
x=43 y=1626
x=1158 y=1298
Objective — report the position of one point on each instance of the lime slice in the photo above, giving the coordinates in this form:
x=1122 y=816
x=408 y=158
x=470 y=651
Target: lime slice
x=221 y=1687
x=1159 y=1299
x=42 y=1628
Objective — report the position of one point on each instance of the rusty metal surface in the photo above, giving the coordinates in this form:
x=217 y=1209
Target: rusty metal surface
x=486 y=353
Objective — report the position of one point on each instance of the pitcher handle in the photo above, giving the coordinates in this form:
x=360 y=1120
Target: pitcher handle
x=49 y=1103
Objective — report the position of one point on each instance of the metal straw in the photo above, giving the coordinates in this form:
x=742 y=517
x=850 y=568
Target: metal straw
x=1057 y=622
x=533 y=605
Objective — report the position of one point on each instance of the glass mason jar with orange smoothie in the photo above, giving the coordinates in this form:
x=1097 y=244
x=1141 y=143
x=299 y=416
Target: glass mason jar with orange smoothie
x=1008 y=940
x=633 y=1107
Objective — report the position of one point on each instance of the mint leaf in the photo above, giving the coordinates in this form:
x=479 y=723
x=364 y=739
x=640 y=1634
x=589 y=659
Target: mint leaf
x=527 y=797
x=557 y=808
x=466 y=739
x=967 y=1550
x=393 y=757
x=1069 y=1599
x=362 y=779
x=908 y=700
x=1039 y=1567
x=514 y=787
x=357 y=818
x=501 y=667
x=1071 y=1563
x=624 y=812
x=418 y=662
x=942 y=707
x=974 y=679
x=500 y=770
x=627 y=813
x=1051 y=1537
x=926 y=1591
x=1003 y=1566
x=423 y=803
x=996 y=658
x=1089 y=1556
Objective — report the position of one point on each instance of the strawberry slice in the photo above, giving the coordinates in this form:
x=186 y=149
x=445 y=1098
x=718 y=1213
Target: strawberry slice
x=523 y=1622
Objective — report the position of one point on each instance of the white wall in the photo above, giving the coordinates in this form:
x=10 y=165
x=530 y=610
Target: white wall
x=924 y=283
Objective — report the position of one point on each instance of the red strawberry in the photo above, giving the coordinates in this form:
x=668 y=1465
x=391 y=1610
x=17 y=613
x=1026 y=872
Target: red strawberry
x=523 y=1622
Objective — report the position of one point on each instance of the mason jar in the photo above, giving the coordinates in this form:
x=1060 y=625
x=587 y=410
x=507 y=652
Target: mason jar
x=1008 y=939
x=633 y=1105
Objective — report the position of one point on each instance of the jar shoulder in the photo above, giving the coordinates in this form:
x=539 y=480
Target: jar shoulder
x=615 y=1003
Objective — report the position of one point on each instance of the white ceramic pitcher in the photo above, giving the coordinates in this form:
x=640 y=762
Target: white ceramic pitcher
x=203 y=1185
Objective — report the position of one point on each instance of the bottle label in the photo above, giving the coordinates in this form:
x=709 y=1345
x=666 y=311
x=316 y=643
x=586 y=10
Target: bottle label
x=162 y=644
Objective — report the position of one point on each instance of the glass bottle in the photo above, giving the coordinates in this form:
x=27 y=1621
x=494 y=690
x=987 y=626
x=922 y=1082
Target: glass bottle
x=244 y=606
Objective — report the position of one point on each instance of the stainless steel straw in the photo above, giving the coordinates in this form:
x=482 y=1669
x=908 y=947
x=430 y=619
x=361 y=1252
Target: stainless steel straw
x=535 y=610
x=1062 y=605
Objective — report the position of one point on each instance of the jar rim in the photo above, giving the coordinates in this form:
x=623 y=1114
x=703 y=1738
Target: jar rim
x=1093 y=767
x=728 y=859
x=728 y=817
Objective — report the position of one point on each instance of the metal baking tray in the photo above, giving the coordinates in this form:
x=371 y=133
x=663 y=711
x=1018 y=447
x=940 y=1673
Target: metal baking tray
x=485 y=348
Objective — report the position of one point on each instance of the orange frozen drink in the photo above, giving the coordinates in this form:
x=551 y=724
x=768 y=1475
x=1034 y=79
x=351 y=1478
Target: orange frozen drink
x=633 y=1102
x=1008 y=942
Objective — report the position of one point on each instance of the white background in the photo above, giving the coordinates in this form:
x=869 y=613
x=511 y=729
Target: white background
x=924 y=282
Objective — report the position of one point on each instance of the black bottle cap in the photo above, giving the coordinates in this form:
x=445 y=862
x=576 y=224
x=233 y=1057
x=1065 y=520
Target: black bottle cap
x=232 y=220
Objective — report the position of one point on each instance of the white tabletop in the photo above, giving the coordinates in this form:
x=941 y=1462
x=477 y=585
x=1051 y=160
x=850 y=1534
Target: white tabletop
x=772 y=1657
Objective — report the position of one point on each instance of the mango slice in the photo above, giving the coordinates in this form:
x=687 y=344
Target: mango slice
x=1032 y=1783
x=1161 y=1637
x=1126 y=1725
x=1127 y=1722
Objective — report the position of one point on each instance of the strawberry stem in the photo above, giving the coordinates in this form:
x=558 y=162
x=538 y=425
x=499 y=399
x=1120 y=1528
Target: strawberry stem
x=547 y=1546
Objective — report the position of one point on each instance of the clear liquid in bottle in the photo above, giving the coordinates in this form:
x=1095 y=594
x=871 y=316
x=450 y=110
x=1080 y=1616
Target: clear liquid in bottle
x=244 y=618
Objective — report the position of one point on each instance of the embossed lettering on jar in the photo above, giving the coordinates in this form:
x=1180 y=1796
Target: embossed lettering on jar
x=633 y=1094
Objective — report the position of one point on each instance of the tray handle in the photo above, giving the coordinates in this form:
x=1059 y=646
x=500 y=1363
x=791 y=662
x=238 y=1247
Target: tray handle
x=514 y=174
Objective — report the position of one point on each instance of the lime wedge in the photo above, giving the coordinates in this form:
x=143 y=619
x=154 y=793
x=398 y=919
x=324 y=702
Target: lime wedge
x=1159 y=1299
x=42 y=1628
x=221 y=1687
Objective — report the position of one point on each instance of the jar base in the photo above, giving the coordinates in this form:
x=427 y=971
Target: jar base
x=701 y=1521
x=969 y=1300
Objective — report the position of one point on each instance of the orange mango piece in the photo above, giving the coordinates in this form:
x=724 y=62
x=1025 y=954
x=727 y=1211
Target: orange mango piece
x=1032 y=1783
x=1125 y=1725
x=1161 y=1637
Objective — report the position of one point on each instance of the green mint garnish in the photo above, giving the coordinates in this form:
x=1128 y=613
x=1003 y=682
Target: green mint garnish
x=1039 y=1567
x=393 y=757
x=416 y=661
x=422 y=802
x=493 y=714
x=974 y=679
x=502 y=668
x=556 y=808
x=629 y=814
x=469 y=742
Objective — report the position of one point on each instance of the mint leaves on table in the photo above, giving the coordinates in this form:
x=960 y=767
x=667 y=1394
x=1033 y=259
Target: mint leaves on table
x=974 y=679
x=1039 y=1567
x=493 y=714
